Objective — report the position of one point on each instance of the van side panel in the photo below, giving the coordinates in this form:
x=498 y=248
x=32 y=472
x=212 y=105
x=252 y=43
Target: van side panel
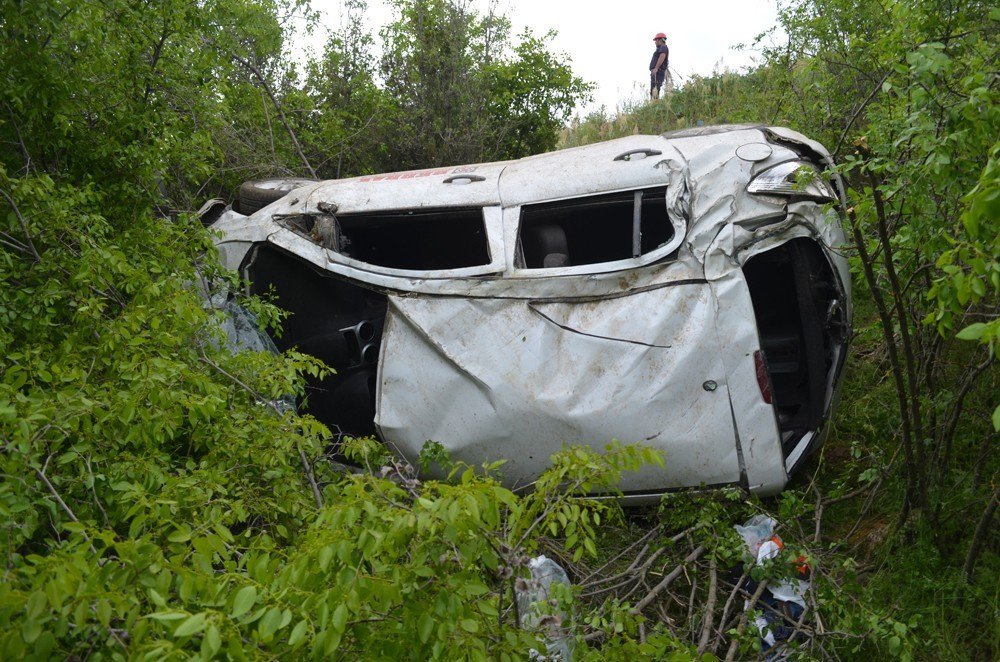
x=514 y=379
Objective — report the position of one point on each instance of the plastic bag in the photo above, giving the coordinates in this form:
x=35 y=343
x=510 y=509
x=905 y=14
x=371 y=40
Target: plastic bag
x=535 y=600
x=756 y=531
x=782 y=603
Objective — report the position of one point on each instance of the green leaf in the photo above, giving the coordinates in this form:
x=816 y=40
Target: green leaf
x=424 y=627
x=36 y=604
x=331 y=640
x=339 y=620
x=972 y=332
x=245 y=599
x=298 y=633
x=104 y=612
x=191 y=626
x=996 y=419
x=213 y=639
x=30 y=630
x=475 y=588
x=157 y=598
x=163 y=616
x=325 y=556
x=268 y=625
x=182 y=534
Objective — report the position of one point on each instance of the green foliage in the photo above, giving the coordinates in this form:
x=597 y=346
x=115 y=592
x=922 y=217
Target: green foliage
x=970 y=269
x=120 y=95
x=348 y=123
x=451 y=86
x=529 y=98
x=709 y=518
x=463 y=93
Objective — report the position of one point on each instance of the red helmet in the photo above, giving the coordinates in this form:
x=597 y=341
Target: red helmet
x=659 y=35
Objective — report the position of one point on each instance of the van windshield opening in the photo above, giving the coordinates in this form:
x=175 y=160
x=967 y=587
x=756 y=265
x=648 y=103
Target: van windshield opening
x=593 y=229
x=417 y=239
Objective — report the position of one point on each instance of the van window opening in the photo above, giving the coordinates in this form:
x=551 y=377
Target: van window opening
x=417 y=240
x=594 y=229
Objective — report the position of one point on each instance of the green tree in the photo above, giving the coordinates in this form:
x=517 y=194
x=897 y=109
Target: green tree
x=349 y=128
x=462 y=94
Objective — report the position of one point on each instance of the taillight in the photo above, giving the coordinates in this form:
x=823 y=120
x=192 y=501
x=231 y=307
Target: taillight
x=763 y=379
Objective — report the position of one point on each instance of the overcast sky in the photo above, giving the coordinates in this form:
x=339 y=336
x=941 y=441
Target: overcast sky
x=610 y=43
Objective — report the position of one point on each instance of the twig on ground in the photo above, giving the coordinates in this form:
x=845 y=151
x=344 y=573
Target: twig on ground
x=666 y=581
x=728 y=606
x=818 y=514
x=706 y=625
x=734 y=645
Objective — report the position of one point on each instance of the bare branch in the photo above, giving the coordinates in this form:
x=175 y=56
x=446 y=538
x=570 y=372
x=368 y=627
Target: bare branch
x=266 y=87
x=24 y=226
x=62 y=504
x=982 y=529
x=735 y=643
x=666 y=581
x=859 y=110
x=895 y=364
x=729 y=604
x=706 y=626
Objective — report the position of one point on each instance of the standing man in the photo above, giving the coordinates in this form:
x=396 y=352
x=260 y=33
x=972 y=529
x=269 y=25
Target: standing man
x=658 y=65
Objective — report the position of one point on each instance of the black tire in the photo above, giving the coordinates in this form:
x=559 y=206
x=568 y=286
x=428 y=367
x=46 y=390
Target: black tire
x=262 y=192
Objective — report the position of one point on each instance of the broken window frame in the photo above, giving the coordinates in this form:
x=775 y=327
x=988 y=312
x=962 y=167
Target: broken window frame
x=492 y=225
x=514 y=224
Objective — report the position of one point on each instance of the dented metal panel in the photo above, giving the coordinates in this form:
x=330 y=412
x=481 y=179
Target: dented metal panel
x=611 y=166
x=757 y=433
x=516 y=380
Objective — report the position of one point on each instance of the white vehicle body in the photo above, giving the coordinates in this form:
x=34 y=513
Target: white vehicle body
x=650 y=289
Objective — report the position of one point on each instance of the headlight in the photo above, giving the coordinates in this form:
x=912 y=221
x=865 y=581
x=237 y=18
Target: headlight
x=797 y=179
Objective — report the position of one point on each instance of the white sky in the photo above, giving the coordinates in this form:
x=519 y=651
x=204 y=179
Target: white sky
x=610 y=43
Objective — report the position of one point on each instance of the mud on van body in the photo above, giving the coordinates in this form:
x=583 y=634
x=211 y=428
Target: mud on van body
x=685 y=291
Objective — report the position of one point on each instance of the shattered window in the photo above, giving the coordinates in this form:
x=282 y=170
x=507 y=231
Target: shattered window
x=418 y=239
x=594 y=229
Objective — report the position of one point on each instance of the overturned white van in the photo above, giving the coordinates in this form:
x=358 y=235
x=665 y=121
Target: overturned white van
x=685 y=291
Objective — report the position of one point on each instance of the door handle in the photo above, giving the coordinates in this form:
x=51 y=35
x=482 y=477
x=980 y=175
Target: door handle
x=471 y=178
x=645 y=151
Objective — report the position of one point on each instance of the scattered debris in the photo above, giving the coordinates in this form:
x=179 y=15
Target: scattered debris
x=782 y=602
x=536 y=602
